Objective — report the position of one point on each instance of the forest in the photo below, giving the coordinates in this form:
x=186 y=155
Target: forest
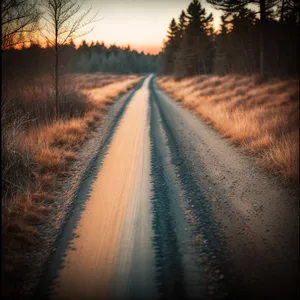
x=86 y=58
x=255 y=37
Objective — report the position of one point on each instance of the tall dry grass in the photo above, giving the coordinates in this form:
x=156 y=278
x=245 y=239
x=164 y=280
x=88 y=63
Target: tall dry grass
x=29 y=127
x=262 y=118
x=37 y=149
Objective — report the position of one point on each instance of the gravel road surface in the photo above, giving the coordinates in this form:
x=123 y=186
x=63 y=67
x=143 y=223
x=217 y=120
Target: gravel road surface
x=170 y=210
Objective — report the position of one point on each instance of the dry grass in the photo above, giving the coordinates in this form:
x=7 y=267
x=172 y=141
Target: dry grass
x=33 y=142
x=37 y=149
x=262 y=118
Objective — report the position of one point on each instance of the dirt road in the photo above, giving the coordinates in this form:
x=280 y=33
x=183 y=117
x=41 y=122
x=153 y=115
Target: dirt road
x=174 y=212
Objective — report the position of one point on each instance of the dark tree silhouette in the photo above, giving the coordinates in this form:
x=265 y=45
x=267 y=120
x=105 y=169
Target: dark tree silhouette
x=19 y=19
x=182 y=22
x=243 y=40
x=195 y=51
x=85 y=59
x=265 y=7
x=171 y=47
x=249 y=29
x=64 y=22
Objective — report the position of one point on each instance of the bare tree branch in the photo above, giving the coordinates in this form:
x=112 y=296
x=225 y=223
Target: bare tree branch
x=64 y=23
x=19 y=21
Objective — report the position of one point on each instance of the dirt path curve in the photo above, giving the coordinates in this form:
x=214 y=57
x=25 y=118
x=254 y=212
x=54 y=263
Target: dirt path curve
x=175 y=212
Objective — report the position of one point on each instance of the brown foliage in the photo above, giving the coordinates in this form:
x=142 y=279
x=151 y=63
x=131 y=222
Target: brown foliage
x=262 y=118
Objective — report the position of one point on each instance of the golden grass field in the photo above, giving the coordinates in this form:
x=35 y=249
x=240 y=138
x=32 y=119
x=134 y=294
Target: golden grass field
x=262 y=118
x=38 y=148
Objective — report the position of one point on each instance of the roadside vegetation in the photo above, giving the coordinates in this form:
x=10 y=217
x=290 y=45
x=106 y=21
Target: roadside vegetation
x=262 y=118
x=53 y=97
x=37 y=149
x=244 y=78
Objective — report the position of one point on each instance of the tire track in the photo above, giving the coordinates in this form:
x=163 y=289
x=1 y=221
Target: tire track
x=186 y=236
x=248 y=221
x=66 y=236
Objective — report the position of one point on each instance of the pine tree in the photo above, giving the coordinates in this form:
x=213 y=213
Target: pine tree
x=94 y=62
x=171 y=47
x=181 y=24
x=222 y=57
x=83 y=63
x=83 y=48
x=69 y=56
x=195 y=52
x=112 y=63
x=103 y=63
x=265 y=9
x=122 y=63
x=99 y=48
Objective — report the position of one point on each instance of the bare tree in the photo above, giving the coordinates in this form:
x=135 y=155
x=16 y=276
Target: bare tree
x=65 y=21
x=19 y=21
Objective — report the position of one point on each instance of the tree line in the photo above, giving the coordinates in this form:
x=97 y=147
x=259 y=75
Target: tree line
x=87 y=58
x=256 y=37
x=59 y=22
x=114 y=59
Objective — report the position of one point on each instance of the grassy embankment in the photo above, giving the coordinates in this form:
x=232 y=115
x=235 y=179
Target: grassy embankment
x=262 y=118
x=37 y=149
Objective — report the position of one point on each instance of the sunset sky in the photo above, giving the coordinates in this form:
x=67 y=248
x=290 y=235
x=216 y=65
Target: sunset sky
x=140 y=23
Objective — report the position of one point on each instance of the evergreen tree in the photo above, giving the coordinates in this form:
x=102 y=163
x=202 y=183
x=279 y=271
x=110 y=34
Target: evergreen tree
x=87 y=58
x=83 y=48
x=103 y=67
x=195 y=52
x=122 y=66
x=222 y=55
x=265 y=9
x=112 y=63
x=171 y=47
x=69 y=56
x=94 y=62
x=133 y=62
x=244 y=40
x=158 y=63
x=83 y=63
x=181 y=24
x=99 y=48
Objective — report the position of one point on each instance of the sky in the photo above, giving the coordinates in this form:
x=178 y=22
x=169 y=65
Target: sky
x=140 y=23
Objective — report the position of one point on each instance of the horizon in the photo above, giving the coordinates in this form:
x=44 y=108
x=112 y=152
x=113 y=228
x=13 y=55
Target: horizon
x=79 y=42
x=134 y=27
x=137 y=175
x=115 y=28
